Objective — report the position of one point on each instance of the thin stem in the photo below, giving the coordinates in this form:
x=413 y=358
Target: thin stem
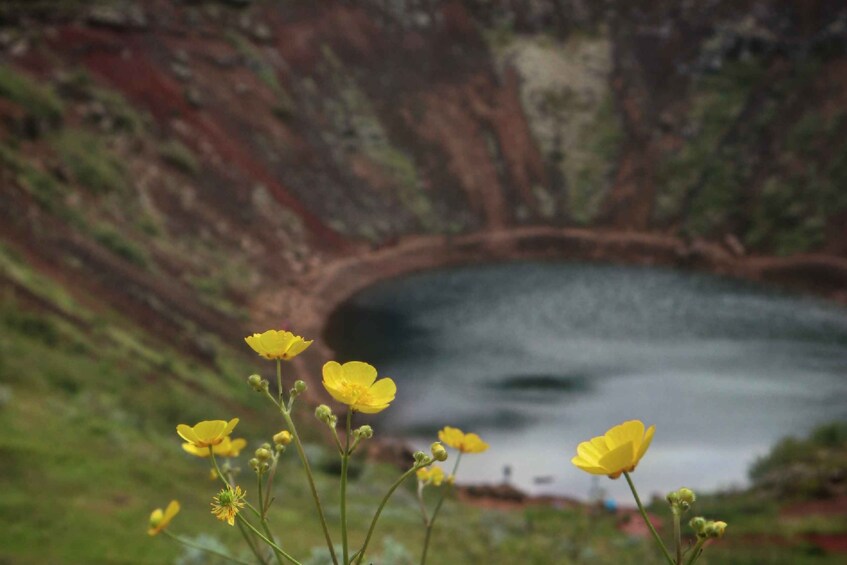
x=345 y=458
x=279 y=381
x=659 y=541
x=696 y=551
x=431 y=523
x=269 y=542
x=193 y=545
x=263 y=517
x=246 y=535
x=312 y=486
x=403 y=477
x=677 y=536
x=421 y=504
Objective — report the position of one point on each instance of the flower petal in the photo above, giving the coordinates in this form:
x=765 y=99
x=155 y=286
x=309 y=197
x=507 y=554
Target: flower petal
x=648 y=438
x=630 y=431
x=619 y=459
x=383 y=391
x=588 y=466
x=357 y=372
x=187 y=433
x=333 y=375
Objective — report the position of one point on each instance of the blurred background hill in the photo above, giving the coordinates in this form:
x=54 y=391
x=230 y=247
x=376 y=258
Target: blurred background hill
x=177 y=174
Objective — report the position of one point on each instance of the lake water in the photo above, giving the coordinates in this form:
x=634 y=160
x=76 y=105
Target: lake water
x=538 y=357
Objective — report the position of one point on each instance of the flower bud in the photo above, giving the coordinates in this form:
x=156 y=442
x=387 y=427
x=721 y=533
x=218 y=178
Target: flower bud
x=255 y=381
x=266 y=445
x=323 y=413
x=299 y=387
x=697 y=524
x=420 y=457
x=263 y=454
x=673 y=497
x=438 y=451
x=254 y=464
x=265 y=467
x=282 y=438
x=364 y=432
x=686 y=495
x=718 y=528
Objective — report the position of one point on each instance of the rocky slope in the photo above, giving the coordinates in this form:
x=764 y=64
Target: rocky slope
x=191 y=164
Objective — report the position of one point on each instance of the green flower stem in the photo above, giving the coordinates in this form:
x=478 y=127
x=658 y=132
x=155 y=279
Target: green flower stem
x=345 y=459
x=422 y=505
x=263 y=516
x=251 y=543
x=361 y=553
x=279 y=382
x=696 y=551
x=290 y=423
x=193 y=545
x=677 y=536
x=286 y=414
x=431 y=521
x=267 y=541
x=659 y=541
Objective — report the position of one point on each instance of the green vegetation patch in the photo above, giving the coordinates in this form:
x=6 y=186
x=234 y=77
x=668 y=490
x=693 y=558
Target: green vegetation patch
x=92 y=165
x=39 y=101
x=179 y=156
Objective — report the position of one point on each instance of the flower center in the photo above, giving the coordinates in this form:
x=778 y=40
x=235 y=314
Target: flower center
x=355 y=392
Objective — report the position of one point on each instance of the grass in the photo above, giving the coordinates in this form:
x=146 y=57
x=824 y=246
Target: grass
x=90 y=162
x=179 y=156
x=39 y=101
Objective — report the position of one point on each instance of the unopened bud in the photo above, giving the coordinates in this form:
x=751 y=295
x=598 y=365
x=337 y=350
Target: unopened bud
x=697 y=524
x=438 y=451
x=263 y=454
x=299 y=387
x=282 y=438
x=673 y=497
x=718 y=529
x=255 y=381
x=254 y=464
x=323 y=413
x=265 y=466
x=686 y=495
x=364 y=432
x=420 y=457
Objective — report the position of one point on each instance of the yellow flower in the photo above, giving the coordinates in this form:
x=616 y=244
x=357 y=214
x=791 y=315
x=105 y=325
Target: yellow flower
x=227 y=503
x=207 y=432
x=431 y=475
x=619 y=450
x=159 y=520
x=466 y=443
x=275 y=344
x=354 y=384
x=226 y=448
x=283 y=438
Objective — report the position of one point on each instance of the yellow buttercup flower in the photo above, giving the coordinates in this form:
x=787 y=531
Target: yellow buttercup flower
x=354 y=384
x=277 y=344
x=619 y=450
x=227 y=448
x=206 y=433
x=431 y=475
x=227 y=503
x=466 y=443
x=160 y=519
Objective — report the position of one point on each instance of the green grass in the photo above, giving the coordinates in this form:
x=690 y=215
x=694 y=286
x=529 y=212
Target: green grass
x=39 y=101
x=93 y=166
x=179 y=156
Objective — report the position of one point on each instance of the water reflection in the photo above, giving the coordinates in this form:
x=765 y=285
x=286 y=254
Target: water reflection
x=537 y=357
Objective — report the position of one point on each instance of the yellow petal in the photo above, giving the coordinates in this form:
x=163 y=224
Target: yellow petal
x=588 y=466
x=194 y=450
x=357 y=372
x=369 y=408
x=589 y=452
x=272 y=342
x=630 y=431
x=209 y=430
x=230 y=426
x=187 y=433
x=298 y=347
x=254 y=343
x=171 y=511
x=383 y=391
x=648 y=438
x=333 y=374
x=619 y=459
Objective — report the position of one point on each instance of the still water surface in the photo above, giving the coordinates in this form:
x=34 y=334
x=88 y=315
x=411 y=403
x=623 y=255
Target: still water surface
x=538 y=357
